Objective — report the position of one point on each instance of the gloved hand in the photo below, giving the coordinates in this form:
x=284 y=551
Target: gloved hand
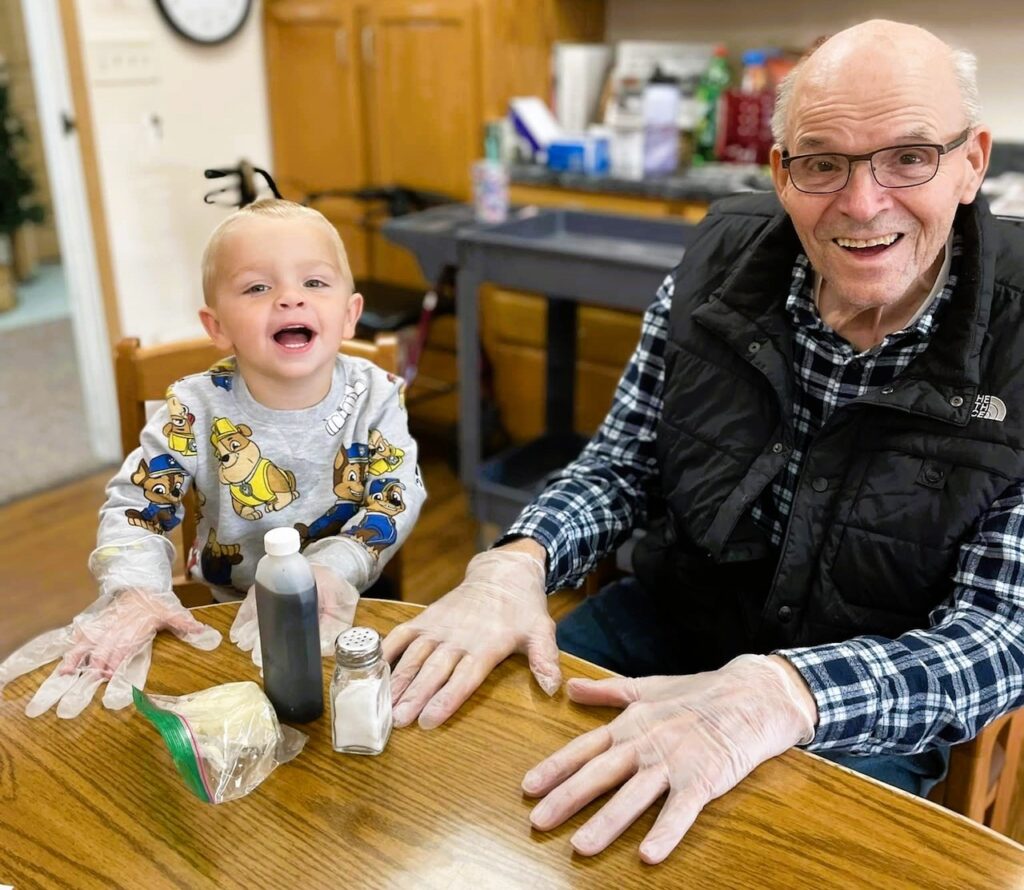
x=111 y=640
x=451 y=646
x=337 y=600
x=695 y=737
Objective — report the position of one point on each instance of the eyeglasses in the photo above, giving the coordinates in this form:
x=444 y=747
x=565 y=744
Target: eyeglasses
x=896 y=167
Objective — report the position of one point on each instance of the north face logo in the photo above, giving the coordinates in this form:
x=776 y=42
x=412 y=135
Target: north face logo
x=989 y=408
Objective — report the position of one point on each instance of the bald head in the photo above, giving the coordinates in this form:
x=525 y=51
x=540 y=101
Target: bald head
x=873 y=60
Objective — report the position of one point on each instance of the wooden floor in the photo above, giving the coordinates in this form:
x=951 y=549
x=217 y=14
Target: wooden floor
x=46 y=539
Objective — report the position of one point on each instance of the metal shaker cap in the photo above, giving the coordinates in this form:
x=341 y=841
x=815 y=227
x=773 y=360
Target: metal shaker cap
x=358 y=647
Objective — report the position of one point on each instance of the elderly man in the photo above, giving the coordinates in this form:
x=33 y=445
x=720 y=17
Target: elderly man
x=823 y=424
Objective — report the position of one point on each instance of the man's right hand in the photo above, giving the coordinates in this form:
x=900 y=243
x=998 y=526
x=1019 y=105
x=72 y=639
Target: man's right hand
x=449 y=649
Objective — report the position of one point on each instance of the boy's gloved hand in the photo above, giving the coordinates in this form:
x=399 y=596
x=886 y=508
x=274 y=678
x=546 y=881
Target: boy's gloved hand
x=451 y=646
x=111 y=640
x=337 y=601
x=694 y=736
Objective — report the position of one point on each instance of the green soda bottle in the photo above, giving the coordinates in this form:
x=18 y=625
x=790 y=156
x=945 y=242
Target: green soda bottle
x=713 y=83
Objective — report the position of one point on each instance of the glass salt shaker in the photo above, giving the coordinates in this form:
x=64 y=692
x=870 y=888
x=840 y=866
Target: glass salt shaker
x=360 y=693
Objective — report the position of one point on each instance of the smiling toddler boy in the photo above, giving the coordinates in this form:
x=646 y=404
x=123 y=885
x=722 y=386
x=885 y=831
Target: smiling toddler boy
x=275 y=435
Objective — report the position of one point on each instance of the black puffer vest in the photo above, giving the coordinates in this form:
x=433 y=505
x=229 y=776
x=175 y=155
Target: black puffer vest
x=890 y=486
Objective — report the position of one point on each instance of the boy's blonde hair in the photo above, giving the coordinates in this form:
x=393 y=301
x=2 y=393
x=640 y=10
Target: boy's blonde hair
x=268 y=208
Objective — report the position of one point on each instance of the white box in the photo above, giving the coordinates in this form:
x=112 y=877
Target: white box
x=579 y=71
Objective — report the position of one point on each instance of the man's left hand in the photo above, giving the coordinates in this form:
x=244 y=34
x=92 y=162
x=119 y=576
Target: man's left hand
x=695 y=737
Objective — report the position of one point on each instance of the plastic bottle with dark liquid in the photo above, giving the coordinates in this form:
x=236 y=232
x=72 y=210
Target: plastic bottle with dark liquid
x=286 y=608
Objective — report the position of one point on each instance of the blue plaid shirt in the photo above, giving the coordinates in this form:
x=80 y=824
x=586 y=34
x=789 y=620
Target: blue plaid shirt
x=874 y=695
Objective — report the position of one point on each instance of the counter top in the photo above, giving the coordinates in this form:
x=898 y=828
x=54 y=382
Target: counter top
x=705 y=183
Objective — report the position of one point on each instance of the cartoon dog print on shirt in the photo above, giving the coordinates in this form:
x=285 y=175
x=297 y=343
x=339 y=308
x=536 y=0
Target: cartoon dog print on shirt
x=384 y=501
x=178 y=429
x=254 y=480
x=217 y=560
x=384 y=457
x=222 y=373
x=349 y=487
x=161 y=481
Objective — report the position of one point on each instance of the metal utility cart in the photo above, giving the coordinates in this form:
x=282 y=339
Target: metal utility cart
x=571 y=257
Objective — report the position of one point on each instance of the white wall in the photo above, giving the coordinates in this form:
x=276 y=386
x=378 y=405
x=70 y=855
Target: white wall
x=992 y=29
x=211 y=106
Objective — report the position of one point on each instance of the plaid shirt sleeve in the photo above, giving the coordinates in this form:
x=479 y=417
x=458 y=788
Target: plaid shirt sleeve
x=592 y=504
x=943 y=684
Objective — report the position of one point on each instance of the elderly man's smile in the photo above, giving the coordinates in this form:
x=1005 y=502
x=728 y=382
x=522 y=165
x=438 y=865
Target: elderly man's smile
x=866 y=248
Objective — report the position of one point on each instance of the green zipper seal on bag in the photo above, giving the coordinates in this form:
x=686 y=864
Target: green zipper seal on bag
x=180 y=741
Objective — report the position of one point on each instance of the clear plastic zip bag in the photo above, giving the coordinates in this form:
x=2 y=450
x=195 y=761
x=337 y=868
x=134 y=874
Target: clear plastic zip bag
x=224 y=740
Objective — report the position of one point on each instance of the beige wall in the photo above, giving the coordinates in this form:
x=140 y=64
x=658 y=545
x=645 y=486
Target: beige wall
x=164 y=110
x=992 y=29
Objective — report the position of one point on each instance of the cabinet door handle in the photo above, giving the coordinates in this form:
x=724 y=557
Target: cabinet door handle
x=341 y=45
x=368 y=45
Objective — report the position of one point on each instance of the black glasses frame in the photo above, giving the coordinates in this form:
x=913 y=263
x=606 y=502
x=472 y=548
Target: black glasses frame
x=787 y=159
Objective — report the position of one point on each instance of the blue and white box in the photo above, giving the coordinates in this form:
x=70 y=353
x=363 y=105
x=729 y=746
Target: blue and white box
x=581 y=154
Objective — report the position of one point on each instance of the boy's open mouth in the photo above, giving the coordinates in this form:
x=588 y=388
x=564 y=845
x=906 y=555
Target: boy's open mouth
x=295 y=336
x=868 y=246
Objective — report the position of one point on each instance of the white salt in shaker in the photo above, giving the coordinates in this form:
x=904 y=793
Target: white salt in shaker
x=360 y=693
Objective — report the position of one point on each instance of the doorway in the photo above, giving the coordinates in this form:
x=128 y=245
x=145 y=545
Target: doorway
x=56 y=382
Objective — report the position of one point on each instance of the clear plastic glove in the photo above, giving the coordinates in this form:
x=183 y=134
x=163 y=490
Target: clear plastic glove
x=451 y=647
x=695 y=737
x=337 y=601
x=112 y=640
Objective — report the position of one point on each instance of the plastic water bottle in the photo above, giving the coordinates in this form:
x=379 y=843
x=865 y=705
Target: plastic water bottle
x=661 y=124
x=286 y=608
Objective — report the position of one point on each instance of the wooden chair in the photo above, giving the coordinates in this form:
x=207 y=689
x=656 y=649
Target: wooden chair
x=982 y=774
x=143 y=375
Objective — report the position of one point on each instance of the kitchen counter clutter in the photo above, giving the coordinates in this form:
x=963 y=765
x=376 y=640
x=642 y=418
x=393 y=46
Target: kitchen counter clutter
x=707 y=182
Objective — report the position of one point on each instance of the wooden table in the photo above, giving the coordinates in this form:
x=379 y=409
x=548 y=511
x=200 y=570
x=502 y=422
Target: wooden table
x=95 y=802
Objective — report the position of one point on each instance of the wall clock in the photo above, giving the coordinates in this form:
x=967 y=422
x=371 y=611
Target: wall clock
x=205 y=21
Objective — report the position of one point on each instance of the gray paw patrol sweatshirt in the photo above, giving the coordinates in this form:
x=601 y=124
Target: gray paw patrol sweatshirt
x=343 y=473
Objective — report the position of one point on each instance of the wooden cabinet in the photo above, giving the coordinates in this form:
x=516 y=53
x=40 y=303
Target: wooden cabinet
x=348 y=217
x=388 y=92
x=515 y=337
x=436 y=70
x=313 y=82
x=422 y=83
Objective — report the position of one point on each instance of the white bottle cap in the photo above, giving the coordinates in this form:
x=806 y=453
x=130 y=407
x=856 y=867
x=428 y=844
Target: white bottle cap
x=281 y=541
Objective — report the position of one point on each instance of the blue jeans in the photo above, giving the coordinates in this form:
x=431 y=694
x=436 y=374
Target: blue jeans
x=627 y=629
